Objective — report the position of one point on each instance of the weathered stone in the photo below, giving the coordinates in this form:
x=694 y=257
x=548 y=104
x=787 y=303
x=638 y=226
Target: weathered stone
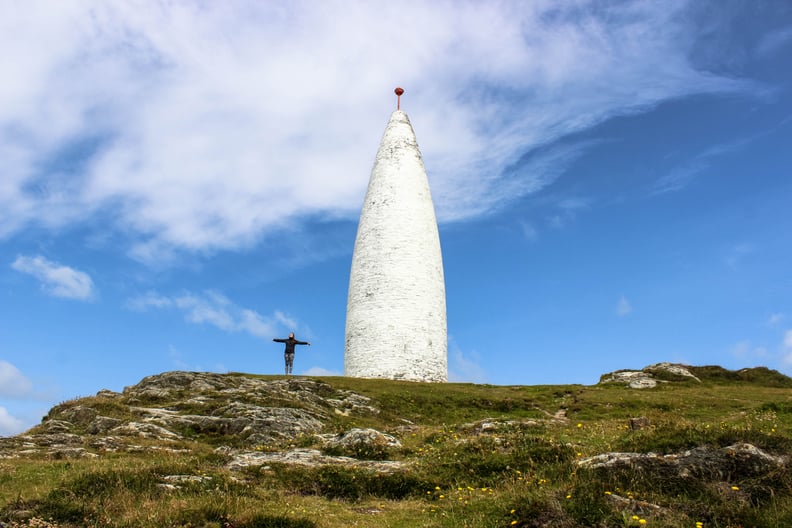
x=102 y=424
x=643 y=383
x=625 y=376
x=641 y=422
x=186 y=478
x=704 y=463
x=491 y=426
x=357 y=438
x=144 y=430
x=107 y=443
x=306 y=457
x=670 y=370
x=54 y=439
x=56 y=426
x=71 y=452
x=79 y=414
x=650 y=376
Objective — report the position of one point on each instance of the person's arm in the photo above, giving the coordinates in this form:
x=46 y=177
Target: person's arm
x=302 y=343
x=279 y=340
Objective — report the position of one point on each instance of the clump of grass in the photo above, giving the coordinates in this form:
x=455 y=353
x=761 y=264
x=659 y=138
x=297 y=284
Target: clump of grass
x=336 y=482
x=486 y=460
x=360 y=451
x=670 y=437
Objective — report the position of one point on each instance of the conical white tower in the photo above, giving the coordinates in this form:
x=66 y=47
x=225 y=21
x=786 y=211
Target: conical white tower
x=396 y=311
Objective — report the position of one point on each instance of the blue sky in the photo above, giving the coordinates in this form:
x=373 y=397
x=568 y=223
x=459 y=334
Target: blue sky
x=181 y=182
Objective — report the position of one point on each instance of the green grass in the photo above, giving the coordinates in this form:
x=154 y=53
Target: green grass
x=521 y=470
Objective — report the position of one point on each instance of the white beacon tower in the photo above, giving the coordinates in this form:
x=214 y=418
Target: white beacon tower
x=396 y=310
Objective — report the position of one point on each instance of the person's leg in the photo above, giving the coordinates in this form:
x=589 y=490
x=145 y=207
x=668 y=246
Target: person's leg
x=289 y=363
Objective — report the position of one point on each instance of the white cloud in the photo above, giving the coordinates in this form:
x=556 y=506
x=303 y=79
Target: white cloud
x=13 y=384
x=465 y=368
x=321 y=371
x=529 y=231
x=215 y=309
x=10 y=425
x=787 y=347
x=774 y=40
x=623 y=307
x=680 y=176
x=746 y=350
x=56 y=280
x=737 y=254
x=204 y=126
x=774 y=319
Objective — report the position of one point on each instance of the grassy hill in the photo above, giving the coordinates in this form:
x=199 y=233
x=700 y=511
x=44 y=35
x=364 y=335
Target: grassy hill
x=238 y=450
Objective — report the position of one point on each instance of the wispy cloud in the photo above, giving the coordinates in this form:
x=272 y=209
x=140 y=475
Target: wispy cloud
x=737 y=254
x=181 y=362
x=775 y=319
x=746 y=350
x=528 y=230
x=215 y=309
x=787 y=347
x=9 y=425
x=774 y=40
x=321 y=371
x=13 y=384
x=464 y=367
x=682 y=175
x=56 y=279
x=623 y=307
x=204 y=126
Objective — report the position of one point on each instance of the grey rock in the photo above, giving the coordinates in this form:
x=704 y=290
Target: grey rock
x=675 y=371
x=71 y=452
x=54 y=439
x=79 y=414
x=56 y=426
x=306 y=457
x=641 y=422
x=643 y=383
x=704 y=463
x=144 y=430
x=102 y=424
x=356 y=438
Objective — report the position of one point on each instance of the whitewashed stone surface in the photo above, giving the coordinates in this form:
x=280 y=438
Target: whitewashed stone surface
x=396 y=311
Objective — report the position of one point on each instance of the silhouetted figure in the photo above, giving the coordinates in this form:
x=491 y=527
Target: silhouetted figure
x=288 y=353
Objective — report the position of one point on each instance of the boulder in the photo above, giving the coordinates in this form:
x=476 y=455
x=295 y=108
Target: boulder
x=356 y=438
x=306 y=457
x=101 y=425
x=145 y=430
x=705 y=463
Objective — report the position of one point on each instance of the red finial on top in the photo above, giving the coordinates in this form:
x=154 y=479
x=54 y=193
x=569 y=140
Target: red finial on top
x=398 y=91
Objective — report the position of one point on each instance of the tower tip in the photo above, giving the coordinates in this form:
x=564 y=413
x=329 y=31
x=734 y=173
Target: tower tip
x=398 y=91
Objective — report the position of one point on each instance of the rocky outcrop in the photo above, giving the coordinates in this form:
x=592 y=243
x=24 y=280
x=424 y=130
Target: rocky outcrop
x=650 y=376
x=701 y=463
x=306 y=457
x=167 y=411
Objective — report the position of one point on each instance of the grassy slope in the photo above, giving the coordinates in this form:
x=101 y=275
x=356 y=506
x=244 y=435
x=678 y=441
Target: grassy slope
x=522 y=474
